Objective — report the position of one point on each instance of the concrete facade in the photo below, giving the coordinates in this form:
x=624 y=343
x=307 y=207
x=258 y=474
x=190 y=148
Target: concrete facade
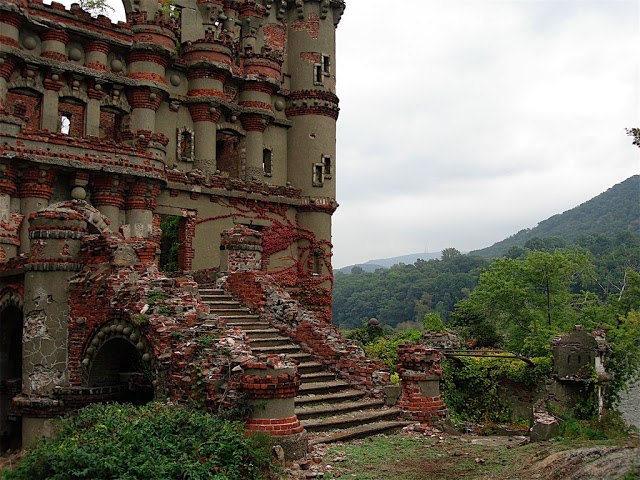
x=221 y=113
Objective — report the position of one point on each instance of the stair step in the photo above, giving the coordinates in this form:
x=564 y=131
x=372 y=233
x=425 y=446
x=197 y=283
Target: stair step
x=322 y=376
x=323 y=410
x=291 y=348
x=310 y=367
x=231 y=312
x=300 y=356
x=349 y=419
x=322 y=387
x=337 y=397
x=249 y=326
x=244 y=318
x=216 y=298
x=224 y=304
x=212 y=291
x=270 y=342
x=262 y=333
x=360 y=431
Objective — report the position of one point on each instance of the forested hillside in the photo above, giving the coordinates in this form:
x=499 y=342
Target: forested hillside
x=617 y=209
x=405 y=293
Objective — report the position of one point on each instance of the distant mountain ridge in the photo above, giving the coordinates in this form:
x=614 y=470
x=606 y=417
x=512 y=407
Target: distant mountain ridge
x=373 y=265
x=615 y=210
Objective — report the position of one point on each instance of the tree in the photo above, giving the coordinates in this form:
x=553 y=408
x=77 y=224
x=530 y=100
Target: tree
x=96 y=7
x=528 y=299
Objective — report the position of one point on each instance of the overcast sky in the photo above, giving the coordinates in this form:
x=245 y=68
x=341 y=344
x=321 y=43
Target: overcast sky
x=463 y=122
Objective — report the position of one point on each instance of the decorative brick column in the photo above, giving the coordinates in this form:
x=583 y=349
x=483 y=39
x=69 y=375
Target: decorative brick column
x=7 y=67
x=240 y=250
x=205 y=118
x=421 y=371
x=108 y=197
x=35 y=191
x=97 y=53
x=144 y=103
x=256 y=97
x=271 y=385
x=54 y=44
x=141 y=202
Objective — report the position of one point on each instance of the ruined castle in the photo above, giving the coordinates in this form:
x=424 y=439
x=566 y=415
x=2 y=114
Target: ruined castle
x=141 y=161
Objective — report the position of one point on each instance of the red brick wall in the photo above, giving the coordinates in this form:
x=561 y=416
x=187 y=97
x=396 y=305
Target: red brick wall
x=26 y=107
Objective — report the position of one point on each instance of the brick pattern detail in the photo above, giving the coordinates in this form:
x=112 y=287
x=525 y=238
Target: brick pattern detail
x=26 y=107
x=417 y=365
x=55 y=35
x=98 y=46
x=252 y=122
x=311 y=57
x=36 y=183
x=275 y=36
x=202 y=112
x=142 y=196
x=311 y=25
x=144 y=98
x=110 y=125
x=185 y=237
x=278 y=427
x=107 y=192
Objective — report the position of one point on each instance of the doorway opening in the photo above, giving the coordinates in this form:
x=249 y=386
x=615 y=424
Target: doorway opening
x=10 y=376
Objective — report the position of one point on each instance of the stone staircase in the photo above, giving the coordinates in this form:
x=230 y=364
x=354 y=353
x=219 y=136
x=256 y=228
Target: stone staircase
x=330 y=409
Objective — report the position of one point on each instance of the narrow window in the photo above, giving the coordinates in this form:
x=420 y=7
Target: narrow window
x=318 y=175
x=326 y=65
x=326 y=163
x=65 y=123
x=317 y=268
x=266 y=161
x=185 y=145
x=318 y=77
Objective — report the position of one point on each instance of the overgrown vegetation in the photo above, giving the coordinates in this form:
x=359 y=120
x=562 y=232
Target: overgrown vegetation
x=154 y=442
x=169 y=243
x=480 y=389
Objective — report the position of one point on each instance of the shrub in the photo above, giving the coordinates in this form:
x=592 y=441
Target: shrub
x=473 y=387
x=153 y=442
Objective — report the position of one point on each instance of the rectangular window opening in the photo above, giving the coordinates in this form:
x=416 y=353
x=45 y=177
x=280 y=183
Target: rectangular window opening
x=318 y=76
x=317 y=265
x=318 y=174
x=326 y=162
x=326 y=64
x=266 y=161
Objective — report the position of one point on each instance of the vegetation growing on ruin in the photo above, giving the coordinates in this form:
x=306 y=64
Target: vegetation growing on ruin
x=153 y=442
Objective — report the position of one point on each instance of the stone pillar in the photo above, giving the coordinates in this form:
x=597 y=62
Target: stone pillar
x=10 y=28
x=55 y=236
x=271 y=385
x=255 y=126
x=35 y=191
x=108 y=197
x=54 y=44
x=141 y=202
x=421 y=371
x=144 y=103
x=96 y=55
x=95 y=93
x=50 y=116
x=9 y=222
x=240 y=250
x=205 y=117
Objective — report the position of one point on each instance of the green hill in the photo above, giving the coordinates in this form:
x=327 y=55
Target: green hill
x=616 y=210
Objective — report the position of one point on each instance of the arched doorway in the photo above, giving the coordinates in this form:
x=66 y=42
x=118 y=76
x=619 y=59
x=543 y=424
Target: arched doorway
x=118 y=363
x=10 y=375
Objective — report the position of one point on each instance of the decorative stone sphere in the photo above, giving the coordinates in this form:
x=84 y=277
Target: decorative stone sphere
x=374 y=322
x=234 y=118
x=55 y=77
x=153 y=96
x=30 y=42
x=127 y=331
x=146 y=357
x=175 y=79
x=116 y=65
x=75 y=54
x=279 y=105
x=78 y=193
x=76 y=83
x=98 y=87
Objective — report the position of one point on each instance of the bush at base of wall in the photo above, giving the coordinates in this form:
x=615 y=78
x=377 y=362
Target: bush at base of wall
x=153 y=442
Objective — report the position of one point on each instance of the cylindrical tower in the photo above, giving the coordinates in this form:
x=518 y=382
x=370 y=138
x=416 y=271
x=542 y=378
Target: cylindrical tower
x=313 y=111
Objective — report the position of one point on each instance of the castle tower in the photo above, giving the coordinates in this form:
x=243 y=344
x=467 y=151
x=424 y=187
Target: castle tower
x=313 y=111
